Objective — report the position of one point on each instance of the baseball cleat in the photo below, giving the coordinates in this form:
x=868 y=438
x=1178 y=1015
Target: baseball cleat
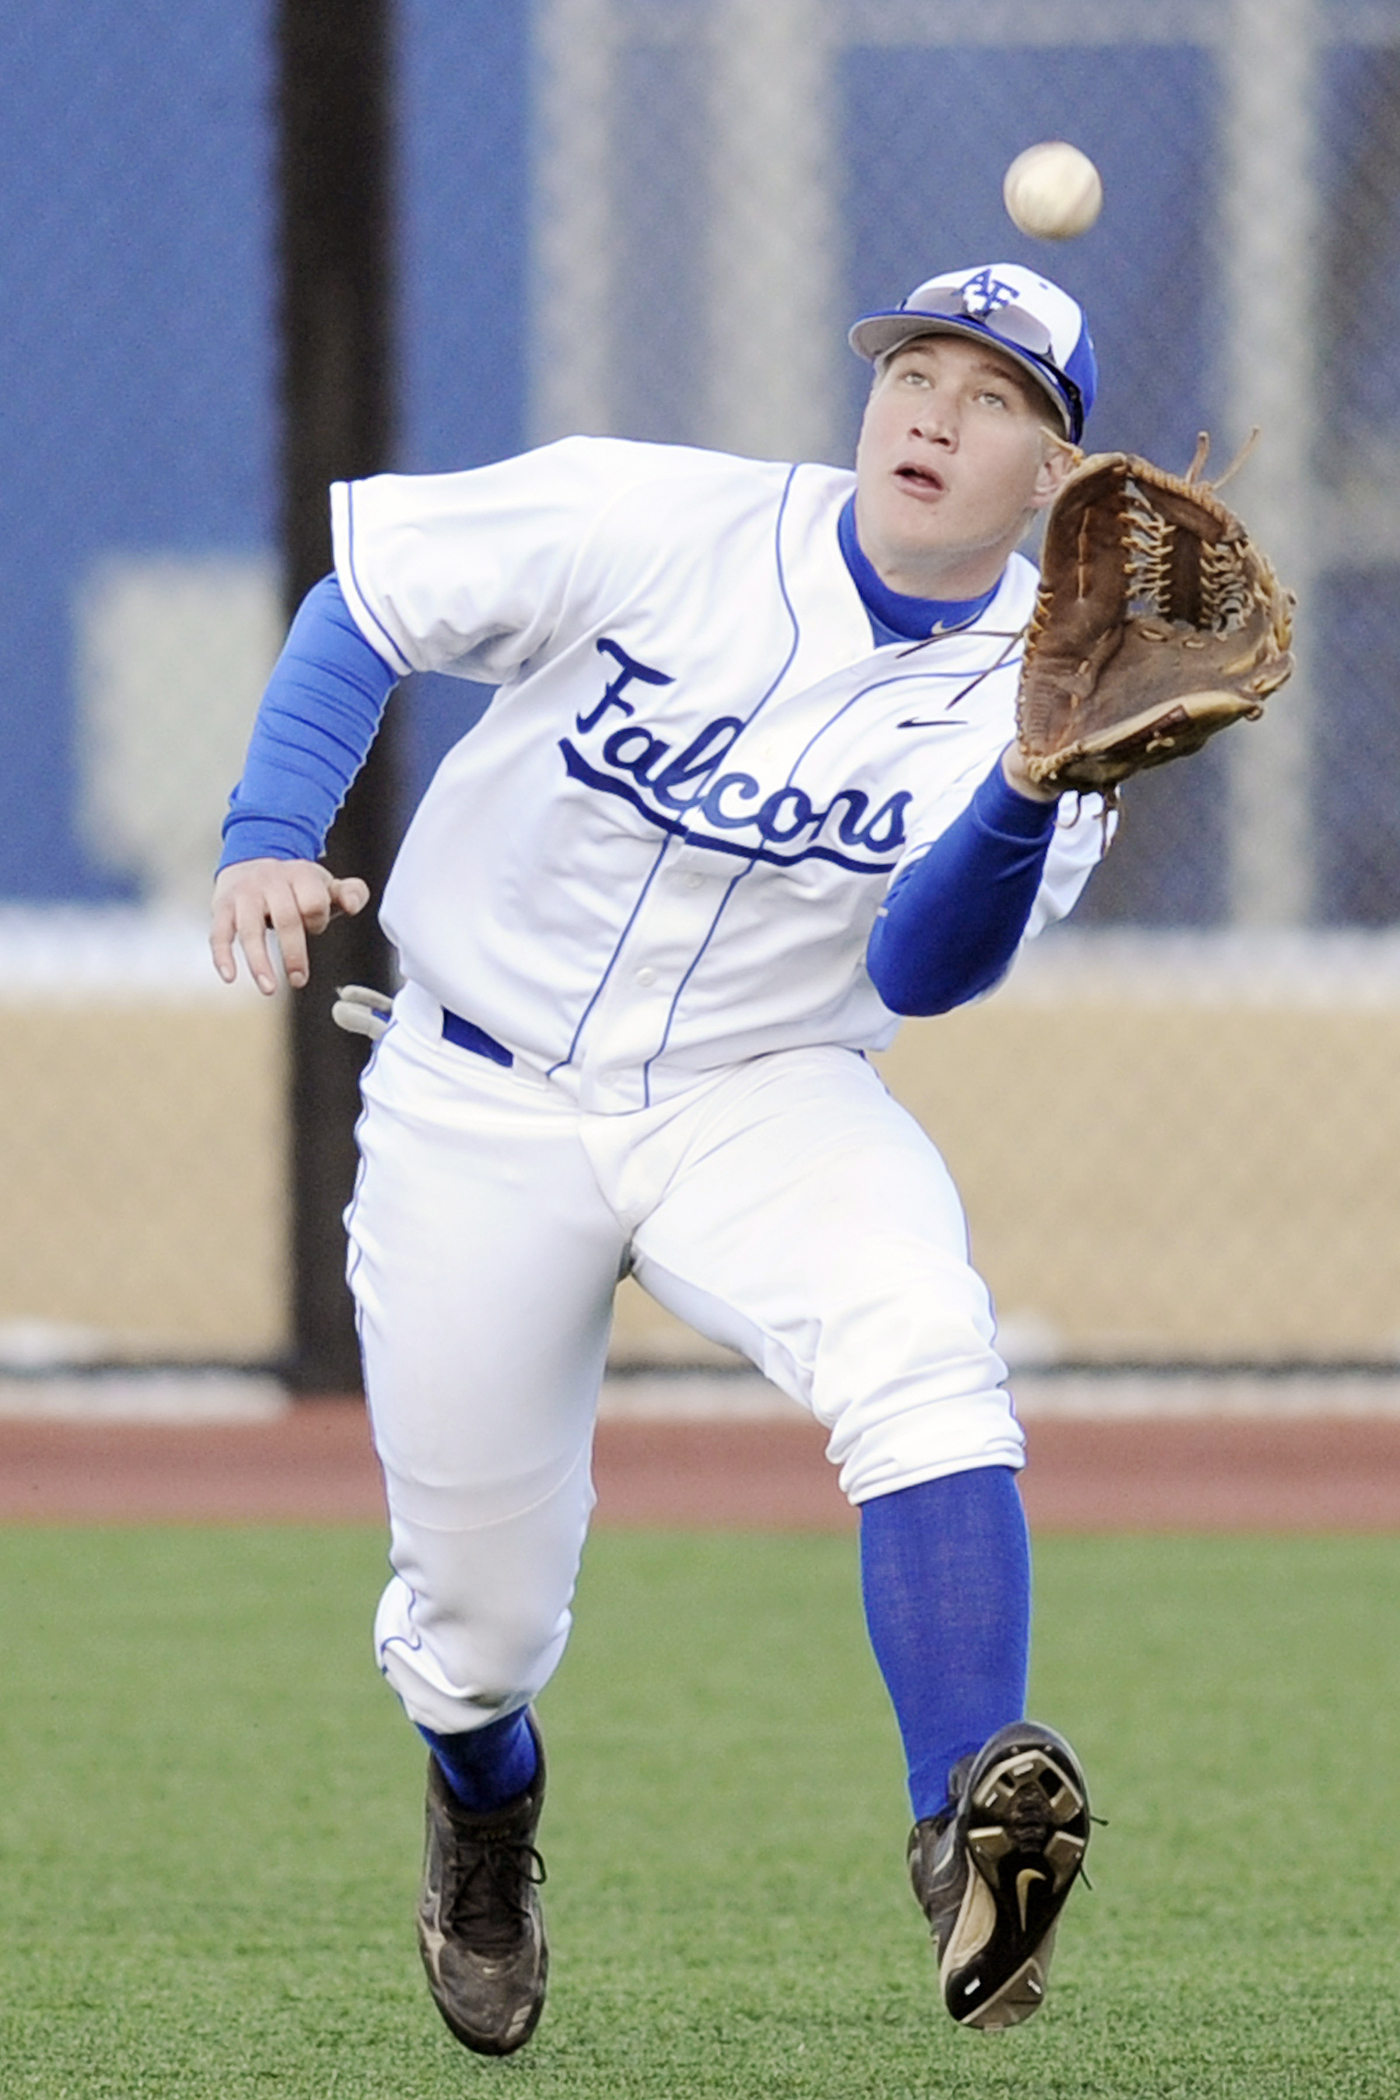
x=993 y=1871
x=480 y=1929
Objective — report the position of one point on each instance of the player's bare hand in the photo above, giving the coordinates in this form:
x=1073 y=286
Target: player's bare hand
x=291 y=898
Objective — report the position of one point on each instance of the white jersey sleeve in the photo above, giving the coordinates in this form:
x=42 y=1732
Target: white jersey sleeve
x=467 y=572
x=1083 y=829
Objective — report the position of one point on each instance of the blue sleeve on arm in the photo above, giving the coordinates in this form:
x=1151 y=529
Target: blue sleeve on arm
x=323 y=704
x=953 y=921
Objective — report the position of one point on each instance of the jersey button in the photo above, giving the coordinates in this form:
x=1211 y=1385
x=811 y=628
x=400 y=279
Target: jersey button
x=693 y=881
x=646 y=975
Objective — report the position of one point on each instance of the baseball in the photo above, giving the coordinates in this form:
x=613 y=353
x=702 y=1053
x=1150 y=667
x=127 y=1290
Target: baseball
x=1053 y=191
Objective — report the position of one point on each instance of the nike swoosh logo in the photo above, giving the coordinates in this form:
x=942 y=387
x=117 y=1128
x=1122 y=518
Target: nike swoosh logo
x=1023 y=1888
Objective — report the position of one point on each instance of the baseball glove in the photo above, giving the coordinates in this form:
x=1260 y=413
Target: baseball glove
x=1158 y=623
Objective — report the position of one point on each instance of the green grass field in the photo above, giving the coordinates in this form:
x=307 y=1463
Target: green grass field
x=209 y=1828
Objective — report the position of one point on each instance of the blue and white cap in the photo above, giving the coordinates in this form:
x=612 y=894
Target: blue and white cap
x=1026 y=316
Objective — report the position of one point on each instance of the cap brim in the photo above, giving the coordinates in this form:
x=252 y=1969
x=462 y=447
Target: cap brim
x=876 y=335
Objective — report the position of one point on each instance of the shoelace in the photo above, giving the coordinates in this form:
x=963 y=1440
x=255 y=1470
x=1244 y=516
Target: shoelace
x=488 y=1905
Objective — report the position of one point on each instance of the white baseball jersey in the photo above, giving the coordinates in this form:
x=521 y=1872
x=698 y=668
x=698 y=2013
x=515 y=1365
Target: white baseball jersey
x=662 y=849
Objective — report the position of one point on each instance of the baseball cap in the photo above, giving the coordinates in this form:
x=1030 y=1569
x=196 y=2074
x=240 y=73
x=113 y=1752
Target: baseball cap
x=1027 y=317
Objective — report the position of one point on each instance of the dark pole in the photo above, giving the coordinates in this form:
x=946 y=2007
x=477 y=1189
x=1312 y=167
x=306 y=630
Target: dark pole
x=334 y=63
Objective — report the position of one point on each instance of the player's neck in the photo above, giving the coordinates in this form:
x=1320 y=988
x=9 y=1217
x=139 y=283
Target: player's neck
x=900 y=614
x=960 y=571
x=917 y=574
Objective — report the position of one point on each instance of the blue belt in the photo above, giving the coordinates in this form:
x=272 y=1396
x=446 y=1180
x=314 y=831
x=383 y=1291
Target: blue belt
x=467 y=1036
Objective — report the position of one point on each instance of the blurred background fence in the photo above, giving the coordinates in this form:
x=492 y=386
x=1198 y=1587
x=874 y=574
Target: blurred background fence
x=1177 y=1128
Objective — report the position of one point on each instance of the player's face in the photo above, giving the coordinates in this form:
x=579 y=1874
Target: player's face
x=956 y=453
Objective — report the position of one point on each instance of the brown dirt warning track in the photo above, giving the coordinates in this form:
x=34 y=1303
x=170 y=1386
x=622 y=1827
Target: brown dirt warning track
x=314 y=1465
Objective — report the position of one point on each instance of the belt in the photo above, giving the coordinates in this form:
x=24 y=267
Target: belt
x=467 y=1036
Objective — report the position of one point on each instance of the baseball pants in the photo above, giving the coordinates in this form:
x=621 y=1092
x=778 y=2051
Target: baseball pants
x=786 y=1207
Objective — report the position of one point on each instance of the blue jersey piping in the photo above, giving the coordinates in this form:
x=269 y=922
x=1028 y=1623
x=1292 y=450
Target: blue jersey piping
x=751 y=855
x=678 y=829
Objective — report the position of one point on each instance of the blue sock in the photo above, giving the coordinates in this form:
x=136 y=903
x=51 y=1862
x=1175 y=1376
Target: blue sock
x=945 y=1574
x=487 y=1766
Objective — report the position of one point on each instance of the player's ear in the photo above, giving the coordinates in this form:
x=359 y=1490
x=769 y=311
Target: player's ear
x=1059 y=458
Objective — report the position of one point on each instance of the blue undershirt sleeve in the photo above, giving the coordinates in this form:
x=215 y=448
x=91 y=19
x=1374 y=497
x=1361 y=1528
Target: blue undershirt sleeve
x=324 y=701
x=952 y=922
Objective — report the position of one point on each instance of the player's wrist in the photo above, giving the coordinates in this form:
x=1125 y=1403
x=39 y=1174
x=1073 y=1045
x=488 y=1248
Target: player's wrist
x=1014 y=773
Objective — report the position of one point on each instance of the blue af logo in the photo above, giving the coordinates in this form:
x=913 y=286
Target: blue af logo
x=984 y=294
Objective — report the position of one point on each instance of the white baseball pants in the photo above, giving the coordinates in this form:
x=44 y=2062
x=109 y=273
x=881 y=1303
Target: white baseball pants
x=787 y=1207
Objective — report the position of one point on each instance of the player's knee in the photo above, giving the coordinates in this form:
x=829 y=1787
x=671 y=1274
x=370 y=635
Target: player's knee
x=456 y=1664
x=921 y=1421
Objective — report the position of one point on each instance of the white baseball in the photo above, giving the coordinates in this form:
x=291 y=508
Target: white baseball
x=1053 y=191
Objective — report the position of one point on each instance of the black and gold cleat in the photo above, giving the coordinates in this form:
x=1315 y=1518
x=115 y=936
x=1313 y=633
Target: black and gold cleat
x=480 y=1931
x=992 y=1873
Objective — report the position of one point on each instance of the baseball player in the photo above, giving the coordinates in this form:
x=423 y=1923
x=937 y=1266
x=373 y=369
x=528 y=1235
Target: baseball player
x=748 y=791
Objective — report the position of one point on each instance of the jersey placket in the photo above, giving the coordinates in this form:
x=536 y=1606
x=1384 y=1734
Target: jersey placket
x=629 y=1022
